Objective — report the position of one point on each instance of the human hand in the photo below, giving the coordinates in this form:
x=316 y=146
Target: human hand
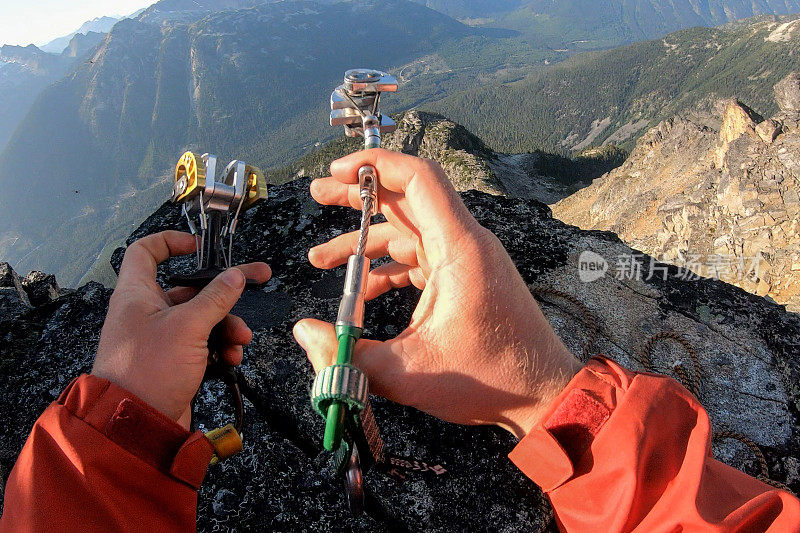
x=478 y=349
x=155 y=343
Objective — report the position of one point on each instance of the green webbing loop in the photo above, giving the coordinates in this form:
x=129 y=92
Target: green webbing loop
x=341 y=383
x=347 y=336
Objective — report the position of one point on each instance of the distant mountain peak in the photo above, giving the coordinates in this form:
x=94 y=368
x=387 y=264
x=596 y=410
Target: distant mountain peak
x=100 y=24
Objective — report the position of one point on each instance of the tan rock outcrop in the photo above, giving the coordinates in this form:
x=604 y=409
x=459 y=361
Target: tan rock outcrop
x=717 y=191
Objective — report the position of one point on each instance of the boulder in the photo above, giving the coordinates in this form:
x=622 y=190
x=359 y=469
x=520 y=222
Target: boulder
x=768 y=130
x=13 y=298
x=282 y=480
x=787 y=94
x=40 y=287
x=737 y=120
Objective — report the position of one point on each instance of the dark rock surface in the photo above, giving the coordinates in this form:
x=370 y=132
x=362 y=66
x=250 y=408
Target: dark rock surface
x=13 y=298
x=748 y=350
x=40 y=287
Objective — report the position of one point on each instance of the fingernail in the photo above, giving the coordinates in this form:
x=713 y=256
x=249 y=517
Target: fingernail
x=233 y=278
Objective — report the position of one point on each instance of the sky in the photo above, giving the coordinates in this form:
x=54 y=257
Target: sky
x=40 y=21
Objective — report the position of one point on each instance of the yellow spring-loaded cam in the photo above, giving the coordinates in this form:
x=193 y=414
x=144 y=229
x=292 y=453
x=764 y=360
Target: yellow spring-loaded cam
x=256 y=186
x=190 y=177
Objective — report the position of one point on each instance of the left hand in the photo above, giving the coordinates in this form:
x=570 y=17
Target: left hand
x=155 y=343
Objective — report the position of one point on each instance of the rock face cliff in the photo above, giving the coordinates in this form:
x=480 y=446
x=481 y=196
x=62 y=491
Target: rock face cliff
x=747 y=350
x=715 y=190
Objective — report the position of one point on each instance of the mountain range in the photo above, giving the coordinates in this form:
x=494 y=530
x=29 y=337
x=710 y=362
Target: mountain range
x=227 y=82
x=748 y=373
x=96 y=25
x=26 y=71
x=249 y=79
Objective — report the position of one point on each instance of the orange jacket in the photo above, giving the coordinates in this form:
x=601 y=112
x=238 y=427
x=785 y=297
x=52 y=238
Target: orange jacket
x=100 y=459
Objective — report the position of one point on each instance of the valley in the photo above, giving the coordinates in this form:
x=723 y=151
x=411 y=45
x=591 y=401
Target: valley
x=249 y=79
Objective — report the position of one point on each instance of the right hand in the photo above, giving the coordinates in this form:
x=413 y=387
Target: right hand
x=478 y=349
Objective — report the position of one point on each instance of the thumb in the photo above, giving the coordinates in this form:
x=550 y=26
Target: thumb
x=215 y=301
x=318 y=339
x=383 y=368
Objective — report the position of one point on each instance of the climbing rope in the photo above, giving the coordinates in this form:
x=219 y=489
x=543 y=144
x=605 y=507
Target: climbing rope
x=762 y=461
x=692 y=384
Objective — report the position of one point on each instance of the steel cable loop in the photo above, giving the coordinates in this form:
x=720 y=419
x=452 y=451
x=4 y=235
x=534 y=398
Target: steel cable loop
x=366 y=216
x=586 y=315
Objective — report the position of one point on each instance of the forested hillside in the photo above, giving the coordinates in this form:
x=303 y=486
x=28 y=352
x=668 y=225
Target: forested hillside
x=612 y=96
x=587 y=25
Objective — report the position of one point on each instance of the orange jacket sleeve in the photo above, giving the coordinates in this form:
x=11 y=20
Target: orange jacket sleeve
x=625 y=451
x=100 y=459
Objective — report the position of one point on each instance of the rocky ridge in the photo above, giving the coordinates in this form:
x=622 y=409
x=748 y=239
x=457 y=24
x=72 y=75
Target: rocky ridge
x=468 y=162
x=714 y=190
x=747 y=348
x=465 y=158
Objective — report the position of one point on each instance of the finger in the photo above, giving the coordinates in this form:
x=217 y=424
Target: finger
x=436 y=209
x=383 y=240
x=384 y=368
x=179 y=295
x=214 y=301
x=331 y=191
x=257 y=271
x=235 y=330
x=393 y=276
x=232 y=354
x=396 y=170
x=142 y=257
x=318 y=339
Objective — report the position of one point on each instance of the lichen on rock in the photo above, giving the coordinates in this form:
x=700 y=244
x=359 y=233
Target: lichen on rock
x=282 y=480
